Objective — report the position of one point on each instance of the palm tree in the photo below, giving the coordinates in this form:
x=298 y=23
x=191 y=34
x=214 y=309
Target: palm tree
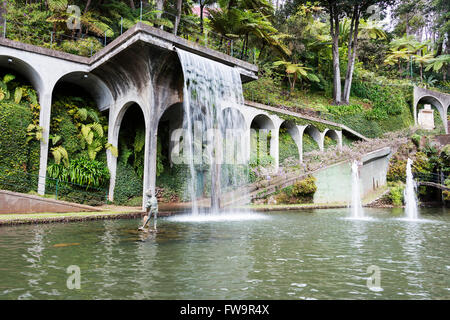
x=438 y=62
x=396 y=56
x=294 y=72
x=422 y=60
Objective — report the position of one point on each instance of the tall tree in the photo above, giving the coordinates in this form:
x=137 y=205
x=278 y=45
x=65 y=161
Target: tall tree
x=357 y=9
x=178 y=16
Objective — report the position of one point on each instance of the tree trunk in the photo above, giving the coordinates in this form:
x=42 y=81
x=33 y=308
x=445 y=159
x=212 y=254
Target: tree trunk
x=132 y=5
x=201 y=17
x=334 y=30
x=159 y=7
x=351 y=58
x=178 y=17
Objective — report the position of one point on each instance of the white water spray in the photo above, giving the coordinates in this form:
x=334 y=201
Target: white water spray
x=410 y=193
x=356 y=206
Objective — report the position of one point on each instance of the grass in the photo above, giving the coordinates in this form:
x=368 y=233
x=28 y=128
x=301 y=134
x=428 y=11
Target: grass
x=267 y=91
x=50 y=215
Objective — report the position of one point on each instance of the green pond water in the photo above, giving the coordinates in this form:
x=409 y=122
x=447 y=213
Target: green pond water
x=317 y=254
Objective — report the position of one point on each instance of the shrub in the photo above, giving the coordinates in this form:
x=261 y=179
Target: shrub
x=128 y=184
x=397 y=170
x=82 y=171
x=304 y=190
x=416 y=139
x=396 y=193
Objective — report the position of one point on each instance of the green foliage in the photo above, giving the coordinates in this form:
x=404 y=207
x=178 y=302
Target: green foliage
x=300 y=192
x=305 y=189
x=396 y=193
x=309 y=144
x=81 y=171
x=128 y=184
x=390 y=109
x=16 y=152
x=397 y=170
x=287 y=146
x=415 y=138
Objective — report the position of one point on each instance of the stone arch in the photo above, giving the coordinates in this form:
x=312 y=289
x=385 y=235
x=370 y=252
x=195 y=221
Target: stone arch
x=263 y=121
x=335 y=135
x=438 y=104
x=113 y=138
x=295 y=134
x=169 y=121
x=315 y=134
x=90 y=83
x=25 y=70
x=441 y=101
x=260 y=126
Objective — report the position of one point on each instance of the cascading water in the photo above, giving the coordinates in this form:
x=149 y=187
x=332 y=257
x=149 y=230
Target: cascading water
x=410 y=193
x=356 y=206
x=209 y=89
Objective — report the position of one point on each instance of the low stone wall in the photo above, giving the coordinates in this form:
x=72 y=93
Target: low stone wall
x=334 y=184
x=13 y=202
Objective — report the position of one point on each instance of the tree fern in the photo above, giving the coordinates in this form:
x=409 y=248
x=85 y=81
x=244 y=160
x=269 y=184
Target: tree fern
x=59 y=153
x=57 y=5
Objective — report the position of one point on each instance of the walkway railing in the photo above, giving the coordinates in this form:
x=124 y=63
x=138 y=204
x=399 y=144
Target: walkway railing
x=87 y=45
x=25 y=182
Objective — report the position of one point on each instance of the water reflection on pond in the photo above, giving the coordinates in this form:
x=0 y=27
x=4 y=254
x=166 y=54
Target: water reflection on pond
x=316 y=254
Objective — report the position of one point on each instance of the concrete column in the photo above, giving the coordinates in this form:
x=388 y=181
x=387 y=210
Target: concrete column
x=151 y=141
x=113 y=138
x=339 y=136
x=274 y=147
x=444 y=118
x=45 y=101
x=301 y=130
x=317 y=136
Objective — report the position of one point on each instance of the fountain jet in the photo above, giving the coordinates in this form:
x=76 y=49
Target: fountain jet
x=410 y=193
x=356 y=206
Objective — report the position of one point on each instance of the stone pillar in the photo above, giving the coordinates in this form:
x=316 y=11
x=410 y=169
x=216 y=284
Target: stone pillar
x=113 y=138
x=301 y=130
x=317 y=136
x=339 y=136
x=151 y=141
x=45 y=101
x=274 y=147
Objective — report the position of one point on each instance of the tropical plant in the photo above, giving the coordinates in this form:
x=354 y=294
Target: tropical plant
x=34 y=132
x=438 y=62
x=81 y=171
x=59 y=153
x=295 y=71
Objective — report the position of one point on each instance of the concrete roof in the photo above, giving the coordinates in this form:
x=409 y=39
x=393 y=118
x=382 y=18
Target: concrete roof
x=149 y=35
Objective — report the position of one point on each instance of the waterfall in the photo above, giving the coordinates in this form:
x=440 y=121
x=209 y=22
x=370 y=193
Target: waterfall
x=212 y=96
x=410 y=193
x=356 y=206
